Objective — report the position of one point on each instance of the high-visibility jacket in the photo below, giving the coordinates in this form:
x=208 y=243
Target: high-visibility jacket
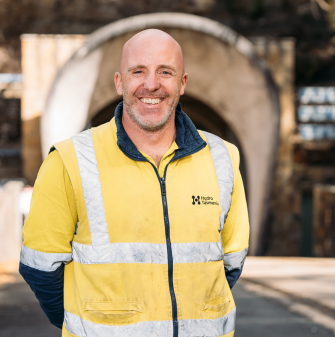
x=145 y=248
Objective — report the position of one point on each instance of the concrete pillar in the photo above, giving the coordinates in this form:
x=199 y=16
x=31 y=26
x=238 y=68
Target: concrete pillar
x=11 y=222
x=42 y=57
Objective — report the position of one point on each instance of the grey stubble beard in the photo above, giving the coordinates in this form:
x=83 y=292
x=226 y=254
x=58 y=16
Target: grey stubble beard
x=134 y=115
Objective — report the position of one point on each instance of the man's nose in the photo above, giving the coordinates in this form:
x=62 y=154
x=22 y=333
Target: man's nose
x=151 y=82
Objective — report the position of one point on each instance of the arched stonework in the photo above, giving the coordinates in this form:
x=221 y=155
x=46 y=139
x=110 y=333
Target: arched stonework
x=224 y=73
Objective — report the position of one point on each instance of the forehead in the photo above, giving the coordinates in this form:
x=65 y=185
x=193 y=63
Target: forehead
x=152 y=52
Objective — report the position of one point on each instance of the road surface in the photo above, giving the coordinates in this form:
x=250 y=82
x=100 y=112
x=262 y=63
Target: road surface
x=257 y=316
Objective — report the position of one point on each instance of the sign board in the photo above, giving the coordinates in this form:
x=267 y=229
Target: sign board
x=316 y=113
x=316 y=95
x=317 y=132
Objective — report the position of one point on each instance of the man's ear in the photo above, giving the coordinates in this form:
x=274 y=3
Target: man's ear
x=183 y=84
x=118 y=83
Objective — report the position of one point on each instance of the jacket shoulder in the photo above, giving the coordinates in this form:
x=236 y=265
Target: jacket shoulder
x=234 y=153
x=232 y=149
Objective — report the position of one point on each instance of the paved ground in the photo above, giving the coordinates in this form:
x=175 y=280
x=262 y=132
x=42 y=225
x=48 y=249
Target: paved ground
x=309 y=279
x=305 y=285
x=21 y=316
x=259 y=316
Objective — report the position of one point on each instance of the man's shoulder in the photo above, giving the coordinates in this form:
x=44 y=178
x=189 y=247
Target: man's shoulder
x=106 y=127
x=53 y=160
x=232 y=149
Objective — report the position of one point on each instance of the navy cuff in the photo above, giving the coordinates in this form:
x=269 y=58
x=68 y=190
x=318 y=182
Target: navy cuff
x=48 y=289
x=233 y=275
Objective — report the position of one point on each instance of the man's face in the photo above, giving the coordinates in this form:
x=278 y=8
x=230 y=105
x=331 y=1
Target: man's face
x=151 y=80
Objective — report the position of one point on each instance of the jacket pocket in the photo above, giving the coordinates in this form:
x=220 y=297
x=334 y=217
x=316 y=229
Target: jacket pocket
x=113 y=311
x=216 y=304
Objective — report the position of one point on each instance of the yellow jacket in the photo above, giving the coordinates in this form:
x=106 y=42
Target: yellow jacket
x=145 y=248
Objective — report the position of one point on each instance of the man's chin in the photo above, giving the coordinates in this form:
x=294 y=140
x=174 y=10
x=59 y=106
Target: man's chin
x=152 y=115
x=150 y=118
x=152 y=125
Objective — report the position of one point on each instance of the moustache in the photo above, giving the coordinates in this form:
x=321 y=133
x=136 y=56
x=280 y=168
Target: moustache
x=148 y=94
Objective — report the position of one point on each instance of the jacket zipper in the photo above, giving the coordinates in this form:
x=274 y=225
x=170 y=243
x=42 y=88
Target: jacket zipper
x=167 y=232
x=169 y=249
x=169 y=256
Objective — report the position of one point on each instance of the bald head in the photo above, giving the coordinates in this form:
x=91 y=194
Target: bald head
x=152 y=44
x=151 y=80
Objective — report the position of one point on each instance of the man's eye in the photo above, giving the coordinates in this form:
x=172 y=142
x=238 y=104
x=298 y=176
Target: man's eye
x=138 y=72
x=166 y=72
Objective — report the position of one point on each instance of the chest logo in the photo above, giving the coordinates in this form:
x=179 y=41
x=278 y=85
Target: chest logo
x=195 y=200
x=203 y=200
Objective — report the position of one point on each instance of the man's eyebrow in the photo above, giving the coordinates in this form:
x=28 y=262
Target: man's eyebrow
x=167 y=67
x=136 y=67
x=139 y=66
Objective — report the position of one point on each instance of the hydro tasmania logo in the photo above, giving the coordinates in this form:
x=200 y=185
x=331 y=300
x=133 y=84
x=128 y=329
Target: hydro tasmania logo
x=203 y=200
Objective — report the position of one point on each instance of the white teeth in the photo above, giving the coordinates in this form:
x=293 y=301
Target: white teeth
x=151 y=100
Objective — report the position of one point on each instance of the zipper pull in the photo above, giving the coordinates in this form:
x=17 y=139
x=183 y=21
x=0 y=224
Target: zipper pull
x=163 y=186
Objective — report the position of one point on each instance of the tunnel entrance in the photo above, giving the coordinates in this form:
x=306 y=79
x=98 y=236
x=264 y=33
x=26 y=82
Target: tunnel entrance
x=230 y=92
x=203 y=117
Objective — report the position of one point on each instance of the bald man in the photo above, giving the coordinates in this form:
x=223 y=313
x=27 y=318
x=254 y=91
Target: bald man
x=139 y=227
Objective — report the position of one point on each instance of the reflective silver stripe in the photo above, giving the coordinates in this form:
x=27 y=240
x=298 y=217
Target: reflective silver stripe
x=224 y=173
x=146 y=253
x=187 y=327
x=82 y=328
x=73 y=324
x=196 y=252
x=119 y=253
x=235 y=260
x=208 y=327
x=90 y=180
x=43 y=261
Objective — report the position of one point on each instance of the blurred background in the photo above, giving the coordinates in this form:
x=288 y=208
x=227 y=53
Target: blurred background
x=261 y=75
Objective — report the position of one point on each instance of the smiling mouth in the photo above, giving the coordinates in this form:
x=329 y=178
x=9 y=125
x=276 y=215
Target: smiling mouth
x=152 y=101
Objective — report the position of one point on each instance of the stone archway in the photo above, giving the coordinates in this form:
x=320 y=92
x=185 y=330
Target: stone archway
x=224 y=74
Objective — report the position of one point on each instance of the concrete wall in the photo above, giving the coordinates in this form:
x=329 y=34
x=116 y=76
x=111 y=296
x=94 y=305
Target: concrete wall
x=42 y=57
x=11 y=221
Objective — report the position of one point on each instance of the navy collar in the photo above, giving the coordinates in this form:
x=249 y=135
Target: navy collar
x=187 y=136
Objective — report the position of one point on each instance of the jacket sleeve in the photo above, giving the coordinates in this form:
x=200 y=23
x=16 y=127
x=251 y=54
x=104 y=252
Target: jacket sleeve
x=235 y=233
x=47 y=236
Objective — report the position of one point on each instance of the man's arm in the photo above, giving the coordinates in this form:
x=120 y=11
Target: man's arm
x=47 y=234
x=235 y=233
x=48 y=289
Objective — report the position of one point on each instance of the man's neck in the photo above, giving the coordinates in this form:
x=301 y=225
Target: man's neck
x=154 y=144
